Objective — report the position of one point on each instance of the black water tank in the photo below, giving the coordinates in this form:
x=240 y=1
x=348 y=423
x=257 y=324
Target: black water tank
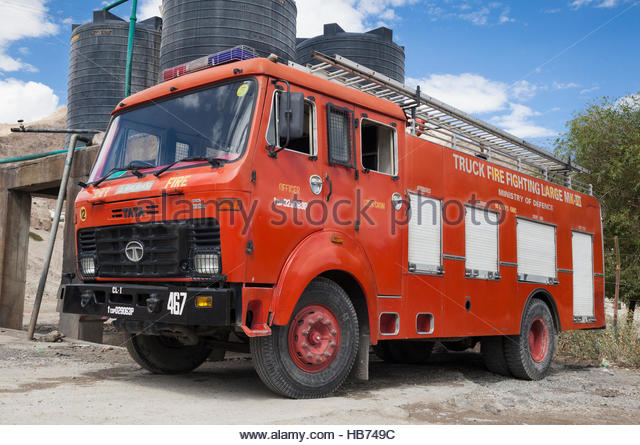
x=97 y=66
x=196 y=28
x=374 y=49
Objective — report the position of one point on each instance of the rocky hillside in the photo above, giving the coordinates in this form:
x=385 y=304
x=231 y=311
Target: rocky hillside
x=19 y=144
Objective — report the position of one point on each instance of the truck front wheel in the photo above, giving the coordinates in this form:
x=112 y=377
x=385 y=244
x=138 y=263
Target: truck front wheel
x=312 y=355
x=165 y=355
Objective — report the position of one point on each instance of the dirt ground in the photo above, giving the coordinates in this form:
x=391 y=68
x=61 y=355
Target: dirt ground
x=76 y=383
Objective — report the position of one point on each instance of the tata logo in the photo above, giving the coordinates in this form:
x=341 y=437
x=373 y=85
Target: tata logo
x=135 y=212
x=134 y=251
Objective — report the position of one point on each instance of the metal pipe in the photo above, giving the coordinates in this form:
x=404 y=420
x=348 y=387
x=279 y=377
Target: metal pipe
x=114 y=4
x=22 y=129
x=54 y=231
x=132 y=30
x=616 y=298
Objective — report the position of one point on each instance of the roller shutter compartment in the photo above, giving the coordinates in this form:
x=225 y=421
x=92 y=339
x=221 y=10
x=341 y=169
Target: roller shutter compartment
x=536 y=252
x=583 y=298
x=481 y=243
x=425 y=234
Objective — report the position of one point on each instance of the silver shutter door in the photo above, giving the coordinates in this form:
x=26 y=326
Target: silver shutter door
x=481 y=239
x=425 y=225
x=582 y=252
x=536 y=251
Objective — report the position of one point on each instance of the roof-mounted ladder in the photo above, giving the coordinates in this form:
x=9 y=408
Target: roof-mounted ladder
x=432 y=119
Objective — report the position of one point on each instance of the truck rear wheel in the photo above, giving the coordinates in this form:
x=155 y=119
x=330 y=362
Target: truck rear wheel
x=404 y=351
x=165 y=355
x=312 y=355
x=529 y=354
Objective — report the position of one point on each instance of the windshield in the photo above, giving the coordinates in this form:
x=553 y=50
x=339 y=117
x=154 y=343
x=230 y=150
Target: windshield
x=212 y=123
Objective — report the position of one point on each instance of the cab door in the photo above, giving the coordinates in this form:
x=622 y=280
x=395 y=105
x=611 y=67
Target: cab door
x=282 y=193
x=338 y=158
x=379 y=197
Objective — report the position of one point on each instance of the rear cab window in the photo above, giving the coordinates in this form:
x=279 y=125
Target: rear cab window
x=379 y=147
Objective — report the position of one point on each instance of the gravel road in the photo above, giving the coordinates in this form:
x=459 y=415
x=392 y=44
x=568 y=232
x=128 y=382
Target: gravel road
x=79 y=383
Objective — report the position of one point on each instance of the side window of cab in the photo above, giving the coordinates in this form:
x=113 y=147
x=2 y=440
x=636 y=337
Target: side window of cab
x=307 y=144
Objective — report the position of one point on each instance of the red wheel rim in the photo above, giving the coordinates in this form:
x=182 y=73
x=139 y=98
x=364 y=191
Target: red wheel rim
x=538 y=339
x=314 y=338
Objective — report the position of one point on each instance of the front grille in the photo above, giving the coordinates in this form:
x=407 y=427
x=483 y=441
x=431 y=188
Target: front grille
x=86 y=242
x=205 y=236
x=168 y=247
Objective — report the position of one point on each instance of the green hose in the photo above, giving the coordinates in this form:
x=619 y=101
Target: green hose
x=35 y=156
x=114 y=4
x=132 y=30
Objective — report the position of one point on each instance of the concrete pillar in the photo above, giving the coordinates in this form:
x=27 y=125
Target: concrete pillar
x=82 y=327
x=15 y=211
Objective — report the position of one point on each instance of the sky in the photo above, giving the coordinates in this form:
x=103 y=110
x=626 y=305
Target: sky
x=526 y=66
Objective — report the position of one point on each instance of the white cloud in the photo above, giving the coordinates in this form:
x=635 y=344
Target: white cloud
x=478 y=17
x=21 y=19
x=564 y=86
x=25 y=100
x=518 y=122
x=523 y=90
x=312 y=15
x=630 y=101
x=351 y=15
x=476 y=94
x=477 y=12
x=149 y=8
x=576 y=4
x=589 y=90
x=469 y=92
x=504 y=16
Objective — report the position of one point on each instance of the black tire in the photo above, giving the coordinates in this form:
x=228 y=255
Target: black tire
x=164 y=355
x=519 y=355
x=492 y=352
x=275 y=365
x=404 y=351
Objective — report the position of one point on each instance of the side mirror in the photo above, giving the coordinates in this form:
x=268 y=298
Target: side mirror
x=291 y=116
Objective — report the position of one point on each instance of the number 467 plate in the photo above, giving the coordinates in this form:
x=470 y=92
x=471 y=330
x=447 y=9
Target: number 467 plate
x=176 y=302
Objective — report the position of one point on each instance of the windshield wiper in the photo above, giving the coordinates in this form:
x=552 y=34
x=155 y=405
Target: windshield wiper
x=215 y=162
x=134 y=167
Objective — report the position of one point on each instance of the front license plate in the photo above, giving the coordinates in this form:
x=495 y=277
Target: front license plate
x=176 y=302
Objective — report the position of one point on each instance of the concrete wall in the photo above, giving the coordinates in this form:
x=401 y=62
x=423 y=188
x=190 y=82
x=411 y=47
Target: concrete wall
x=18 y=183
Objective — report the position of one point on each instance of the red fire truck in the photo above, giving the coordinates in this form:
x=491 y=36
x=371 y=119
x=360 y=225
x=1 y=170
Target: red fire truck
x=305 y=214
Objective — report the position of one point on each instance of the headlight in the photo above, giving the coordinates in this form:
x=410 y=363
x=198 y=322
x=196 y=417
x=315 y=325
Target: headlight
x=206 y=263
x=88 y=265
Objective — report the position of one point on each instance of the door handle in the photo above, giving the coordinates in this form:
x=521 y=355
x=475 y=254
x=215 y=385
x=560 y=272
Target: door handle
x=330 y=187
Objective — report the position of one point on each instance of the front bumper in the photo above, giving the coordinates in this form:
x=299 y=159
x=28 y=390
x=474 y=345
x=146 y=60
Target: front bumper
x=165 y=304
